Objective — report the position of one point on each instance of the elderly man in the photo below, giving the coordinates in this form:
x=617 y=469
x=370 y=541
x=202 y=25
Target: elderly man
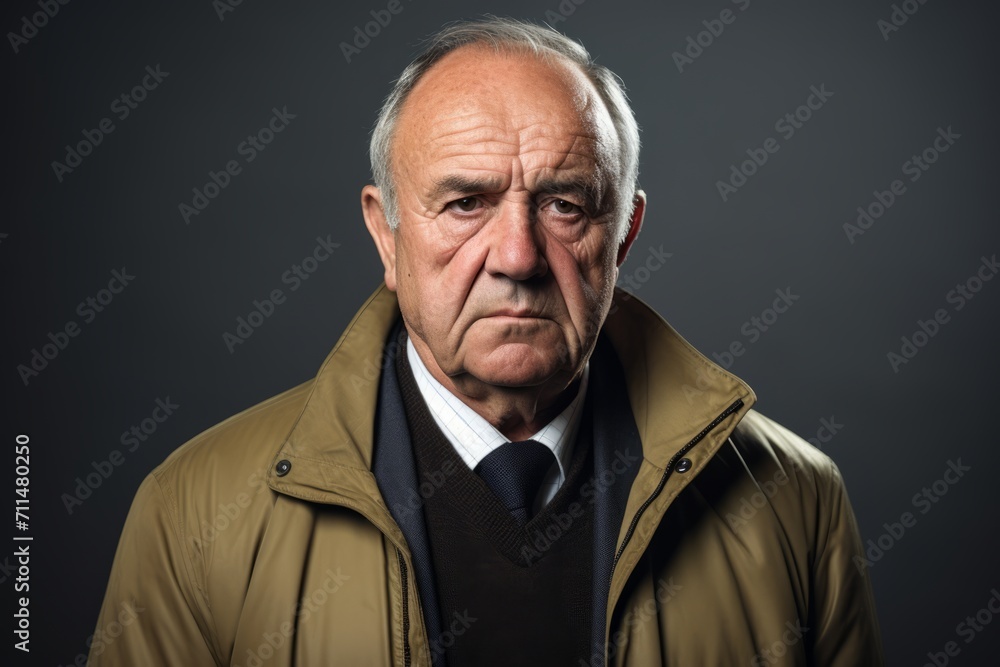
x=504 y=460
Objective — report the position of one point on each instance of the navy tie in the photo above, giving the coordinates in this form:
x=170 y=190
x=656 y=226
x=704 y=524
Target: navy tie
x=514 y=472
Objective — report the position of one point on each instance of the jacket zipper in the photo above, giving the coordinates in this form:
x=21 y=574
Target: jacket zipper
x=663 y=480
x=406 y=608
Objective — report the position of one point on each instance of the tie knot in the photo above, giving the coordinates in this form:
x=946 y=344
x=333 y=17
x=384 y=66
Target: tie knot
x=514 y=471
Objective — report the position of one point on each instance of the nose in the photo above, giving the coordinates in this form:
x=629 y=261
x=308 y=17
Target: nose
x=516 y=246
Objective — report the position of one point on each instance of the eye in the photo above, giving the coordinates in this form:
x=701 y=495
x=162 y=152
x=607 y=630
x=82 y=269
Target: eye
x=465 y=204
x=564 y=207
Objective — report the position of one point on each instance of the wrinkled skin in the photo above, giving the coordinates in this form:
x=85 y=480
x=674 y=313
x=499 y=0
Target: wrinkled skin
x=505 y=258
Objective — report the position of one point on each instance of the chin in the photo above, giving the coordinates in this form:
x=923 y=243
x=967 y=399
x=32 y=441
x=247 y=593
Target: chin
x=517 y=365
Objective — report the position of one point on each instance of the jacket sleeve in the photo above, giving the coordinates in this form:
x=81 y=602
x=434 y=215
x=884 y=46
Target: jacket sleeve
x=845 y=624
x=153 y=613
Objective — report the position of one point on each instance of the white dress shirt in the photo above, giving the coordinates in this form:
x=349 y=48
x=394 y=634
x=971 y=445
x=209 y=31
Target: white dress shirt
x=473 y=437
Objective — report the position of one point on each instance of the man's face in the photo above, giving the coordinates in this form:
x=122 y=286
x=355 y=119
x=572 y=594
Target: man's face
x=505 y=259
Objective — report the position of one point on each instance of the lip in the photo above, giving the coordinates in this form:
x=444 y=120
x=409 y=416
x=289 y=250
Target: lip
x=513 y=313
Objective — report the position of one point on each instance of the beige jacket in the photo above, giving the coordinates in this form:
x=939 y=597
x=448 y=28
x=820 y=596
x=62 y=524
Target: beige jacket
x=265 y=541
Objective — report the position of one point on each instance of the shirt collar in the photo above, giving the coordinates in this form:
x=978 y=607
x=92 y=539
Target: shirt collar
x=473 y=437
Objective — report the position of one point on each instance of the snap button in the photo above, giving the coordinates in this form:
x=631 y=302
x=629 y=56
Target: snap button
x=284 y=465
x=683 y=465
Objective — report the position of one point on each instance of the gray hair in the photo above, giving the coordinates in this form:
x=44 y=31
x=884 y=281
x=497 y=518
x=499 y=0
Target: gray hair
x=504 y=34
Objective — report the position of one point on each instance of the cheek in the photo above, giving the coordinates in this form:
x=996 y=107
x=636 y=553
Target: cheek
x=445 y=268
x=586 y=275
x=431 y=284
x=585 y=271
x=411 y=300
x=609 y=270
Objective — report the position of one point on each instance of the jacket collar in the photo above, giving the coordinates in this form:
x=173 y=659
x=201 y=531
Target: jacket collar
x=674 y=390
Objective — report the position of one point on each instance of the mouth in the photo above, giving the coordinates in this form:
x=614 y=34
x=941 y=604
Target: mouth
x=514 y=312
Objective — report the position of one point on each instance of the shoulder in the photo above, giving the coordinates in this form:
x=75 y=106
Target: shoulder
x=244 y=443
x=190 y=535
x=218 y=478
x=802 y=485
x=765 y=445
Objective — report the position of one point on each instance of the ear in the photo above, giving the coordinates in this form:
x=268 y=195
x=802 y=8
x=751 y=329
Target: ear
x=378 y=227
x=635 y=223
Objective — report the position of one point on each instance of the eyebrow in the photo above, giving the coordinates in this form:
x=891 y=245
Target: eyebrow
x=455 y=185
x=586 y=189
x=450 y=186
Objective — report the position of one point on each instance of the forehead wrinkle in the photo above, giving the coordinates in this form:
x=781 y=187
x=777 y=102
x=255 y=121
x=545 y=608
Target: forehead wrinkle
x=458 y=123
x=582 y=134
x=579 y=159
x=477 y=123
x=574 y=149
x=482 y=139
x=498 y=127
x=593 y=124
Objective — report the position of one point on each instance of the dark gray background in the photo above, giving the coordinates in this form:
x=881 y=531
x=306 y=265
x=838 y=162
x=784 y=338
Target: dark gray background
x=825 y=357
